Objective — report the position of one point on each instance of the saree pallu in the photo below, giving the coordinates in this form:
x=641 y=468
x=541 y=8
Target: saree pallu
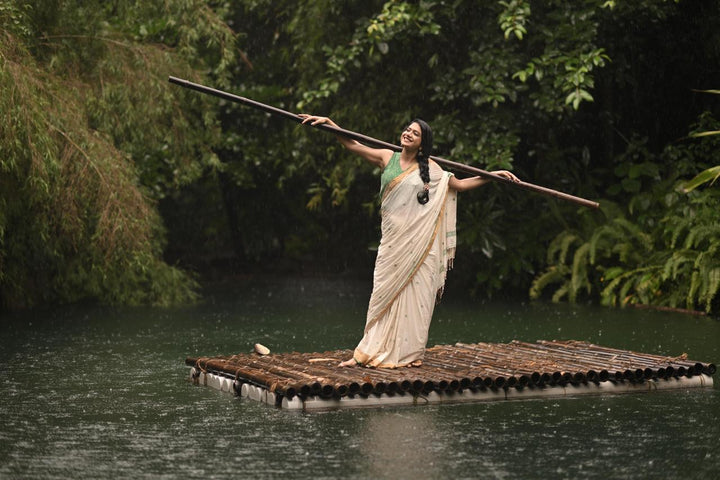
x=416 y=249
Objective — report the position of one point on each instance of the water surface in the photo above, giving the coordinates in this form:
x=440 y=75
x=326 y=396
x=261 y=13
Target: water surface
x=92 y=392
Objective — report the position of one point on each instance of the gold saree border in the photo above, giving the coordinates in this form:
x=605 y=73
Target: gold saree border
x=396 y=180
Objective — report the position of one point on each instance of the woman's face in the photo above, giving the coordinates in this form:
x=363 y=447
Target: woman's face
x=411 y=137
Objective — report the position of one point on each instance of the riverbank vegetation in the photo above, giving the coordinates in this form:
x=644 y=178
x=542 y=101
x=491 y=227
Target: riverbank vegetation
x=118 y=187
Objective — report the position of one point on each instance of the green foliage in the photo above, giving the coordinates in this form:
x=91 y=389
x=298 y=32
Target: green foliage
x=513 y=19
x=520 y=85
x=662 y=249
x=84 y=153
x=711 y=174
x=397 y=60
x=584 y=97
x=13 y=21
x=371 y=41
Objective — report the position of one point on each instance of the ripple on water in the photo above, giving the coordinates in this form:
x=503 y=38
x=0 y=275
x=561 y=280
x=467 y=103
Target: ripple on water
x=103 y=393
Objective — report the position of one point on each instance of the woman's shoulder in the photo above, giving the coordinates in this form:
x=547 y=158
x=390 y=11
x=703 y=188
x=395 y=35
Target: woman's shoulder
x=436 y=170
x=390 y=157
x=434 y=165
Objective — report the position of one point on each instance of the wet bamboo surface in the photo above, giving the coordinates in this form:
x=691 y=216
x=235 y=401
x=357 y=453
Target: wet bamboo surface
x=450 y=368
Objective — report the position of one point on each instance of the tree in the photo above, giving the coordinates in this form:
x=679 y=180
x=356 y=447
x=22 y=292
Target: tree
x=84 y=155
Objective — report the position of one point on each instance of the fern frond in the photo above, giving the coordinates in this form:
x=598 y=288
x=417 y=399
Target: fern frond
x=713 y=288
x=612 y=273
x=608 y=297
x=565 y=246
x=647 y=286
x=678 y=229
x=628 y=226
x=676 y=260
x=559 y=294
x=553 y=274
x=626 y=286
x=698 y=235
x=625 y=282
x=579 y=272
x=559 y=244
x=600 y=234
x=695 y=280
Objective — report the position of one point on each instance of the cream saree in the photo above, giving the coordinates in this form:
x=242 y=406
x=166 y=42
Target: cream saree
x=416 y=249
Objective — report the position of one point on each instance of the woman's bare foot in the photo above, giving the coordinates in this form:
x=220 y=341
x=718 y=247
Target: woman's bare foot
x=416 y=363
x=348 y=363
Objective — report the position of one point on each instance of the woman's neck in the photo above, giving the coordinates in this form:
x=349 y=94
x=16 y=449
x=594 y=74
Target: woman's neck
x=407 y=157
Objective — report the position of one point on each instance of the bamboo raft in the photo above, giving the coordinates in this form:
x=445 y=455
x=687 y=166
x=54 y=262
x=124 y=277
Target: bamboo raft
x=449 y=374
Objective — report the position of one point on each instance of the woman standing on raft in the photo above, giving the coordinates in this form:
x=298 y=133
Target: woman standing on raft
x=418 y=204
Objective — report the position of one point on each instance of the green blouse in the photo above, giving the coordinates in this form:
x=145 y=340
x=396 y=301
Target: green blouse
x=392 y=170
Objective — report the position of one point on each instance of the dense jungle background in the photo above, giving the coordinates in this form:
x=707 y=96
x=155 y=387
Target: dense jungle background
x=120 y=188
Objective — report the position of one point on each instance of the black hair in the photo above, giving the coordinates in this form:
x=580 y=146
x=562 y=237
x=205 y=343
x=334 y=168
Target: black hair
x=426 y=144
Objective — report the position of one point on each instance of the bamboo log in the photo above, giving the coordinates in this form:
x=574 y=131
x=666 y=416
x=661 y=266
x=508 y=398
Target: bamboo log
x=287 y=387
x=581 y=358
x=582 y=363
x=390 y=380
x=379 y=143
x=325 y=386
x=583 y=371
x=494 y=377
x=308 y=383
x=630 y=365
x=629 y=354
x=590 y=369
x=690 y=367
x=340 y=385
x=379 y=381
x=515 y=365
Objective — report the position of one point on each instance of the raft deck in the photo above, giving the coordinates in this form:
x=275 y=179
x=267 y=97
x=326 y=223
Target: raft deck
x=450 y=374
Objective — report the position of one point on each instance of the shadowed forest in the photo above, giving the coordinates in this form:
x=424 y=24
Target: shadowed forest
x=119 y=187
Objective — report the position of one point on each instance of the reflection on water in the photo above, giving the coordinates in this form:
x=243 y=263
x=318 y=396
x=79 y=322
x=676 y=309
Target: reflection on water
x=401 y=441
x=98 y=393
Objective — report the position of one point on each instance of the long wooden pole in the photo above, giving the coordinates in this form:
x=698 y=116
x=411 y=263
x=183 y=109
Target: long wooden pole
x=379 y=143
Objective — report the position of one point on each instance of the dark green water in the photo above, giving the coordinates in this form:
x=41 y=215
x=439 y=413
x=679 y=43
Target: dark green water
x=102 y=393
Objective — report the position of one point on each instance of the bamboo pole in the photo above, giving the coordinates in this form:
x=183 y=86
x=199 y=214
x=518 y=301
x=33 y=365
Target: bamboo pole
x=558 y=372
x=379 y=143
x=579 y=361
x=681 y=365
x=496 y=376
x=342 y=381
x=386 y=381
x=627 y=365
x=319 y=385
x=287 y=386
x=516 y=365
x=691 y=365
x=572 y=369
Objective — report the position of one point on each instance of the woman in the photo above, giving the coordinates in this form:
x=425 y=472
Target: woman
x=416 y=249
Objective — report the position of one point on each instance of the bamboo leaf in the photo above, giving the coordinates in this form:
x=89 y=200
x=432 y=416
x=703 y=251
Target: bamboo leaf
x=709 y=175
x=704 y=134
x=716 y=92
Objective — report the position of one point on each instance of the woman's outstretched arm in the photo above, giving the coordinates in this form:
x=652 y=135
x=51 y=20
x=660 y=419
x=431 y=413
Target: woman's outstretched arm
x=376 y=156
x=464 y=184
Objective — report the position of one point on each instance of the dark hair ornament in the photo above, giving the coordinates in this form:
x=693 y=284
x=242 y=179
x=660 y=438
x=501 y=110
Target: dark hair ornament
x=424 y=196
